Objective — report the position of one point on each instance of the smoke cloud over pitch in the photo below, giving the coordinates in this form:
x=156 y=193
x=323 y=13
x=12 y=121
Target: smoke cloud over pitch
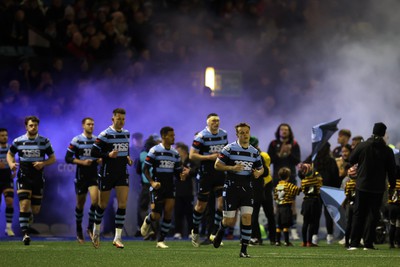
x=350 y=58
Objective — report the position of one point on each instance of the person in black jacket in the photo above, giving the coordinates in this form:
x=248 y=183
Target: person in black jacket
x=375 y=161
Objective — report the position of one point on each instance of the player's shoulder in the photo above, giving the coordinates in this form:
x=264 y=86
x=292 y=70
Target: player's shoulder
x=155 y=149
x=222 y=131
x=125 y=131
x=232 y=145
x=42 y=138
x=253 y=150
x=174 y=151
x=20 y=138
x=202 y=133
x=105 y=132
x=76 y=139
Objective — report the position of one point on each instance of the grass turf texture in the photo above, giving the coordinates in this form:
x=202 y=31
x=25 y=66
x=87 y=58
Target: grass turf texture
x=181 y=253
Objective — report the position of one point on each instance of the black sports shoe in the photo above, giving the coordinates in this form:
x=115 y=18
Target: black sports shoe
x=218 y=238
x=244 y=255
x=26 y=240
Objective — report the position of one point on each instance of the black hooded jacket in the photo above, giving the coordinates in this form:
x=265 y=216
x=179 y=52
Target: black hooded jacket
x=375 y=161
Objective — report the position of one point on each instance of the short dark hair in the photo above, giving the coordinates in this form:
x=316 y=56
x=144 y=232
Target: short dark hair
x=358 y=138
x=149 y=143
x=86 y=118
x=165 y=130
x=345 y=132
x=348 y=147
x=182 y=146
x=284 y=173
x=31 y=118
x=119 y=111
x=242 y=124
x=3 y=130
x=212 y=115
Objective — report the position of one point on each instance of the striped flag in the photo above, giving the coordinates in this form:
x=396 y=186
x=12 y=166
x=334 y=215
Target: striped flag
x=320 y=134
x=333 y=199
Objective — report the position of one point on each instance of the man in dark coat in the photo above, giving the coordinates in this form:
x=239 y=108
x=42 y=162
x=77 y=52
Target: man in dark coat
x=375 y=162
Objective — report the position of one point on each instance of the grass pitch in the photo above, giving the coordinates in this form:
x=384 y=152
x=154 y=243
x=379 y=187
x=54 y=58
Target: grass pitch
x=58 y=252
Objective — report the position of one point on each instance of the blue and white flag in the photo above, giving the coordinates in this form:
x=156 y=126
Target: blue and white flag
x=320 y=134
x=333 y=199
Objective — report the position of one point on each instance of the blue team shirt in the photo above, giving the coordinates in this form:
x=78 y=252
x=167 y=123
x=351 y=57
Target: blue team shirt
x=81 y=147
x=233 y=154
x=206 y=143
x=31 y=150
x=107 y=141
x=165 y=162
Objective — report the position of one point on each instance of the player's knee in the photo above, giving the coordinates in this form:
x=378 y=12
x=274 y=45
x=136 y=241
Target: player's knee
x=156 y=216
x=36 y=202
x=9 y=194
x=229 y=222
x=24 y=196
x=202 y=197
x=246 y=219
x=9 y=198
x=35 y=210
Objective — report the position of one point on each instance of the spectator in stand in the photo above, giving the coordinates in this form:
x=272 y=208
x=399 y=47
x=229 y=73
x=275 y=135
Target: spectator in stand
x=343 y=160
x=355 y=141
x=343 y=139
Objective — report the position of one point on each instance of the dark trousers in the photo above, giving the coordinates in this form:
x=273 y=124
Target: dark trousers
x=328 y=221
x=143 y=204
x=366 y=216
x=267 y=203
x=349 y=216
x=183 y=212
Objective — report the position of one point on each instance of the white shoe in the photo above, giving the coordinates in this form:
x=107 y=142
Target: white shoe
x=178 y=236
x=145 y=229
x=118 y=243
x=195 y=239
x=161 y=245
x=9 y=232
x=314 y=239
x=343 y=241
x=295 y=235
x=329 y=239
x=352 y=248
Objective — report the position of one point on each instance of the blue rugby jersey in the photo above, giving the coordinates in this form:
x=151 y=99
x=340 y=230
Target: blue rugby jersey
x=109 y=140
x=81 y=148
x=165 y=162
x=233 y=154
x=206 y=143
x=31 y=150
x=3 y=156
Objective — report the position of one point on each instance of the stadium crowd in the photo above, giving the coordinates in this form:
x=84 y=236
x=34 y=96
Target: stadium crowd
x=52 y=50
